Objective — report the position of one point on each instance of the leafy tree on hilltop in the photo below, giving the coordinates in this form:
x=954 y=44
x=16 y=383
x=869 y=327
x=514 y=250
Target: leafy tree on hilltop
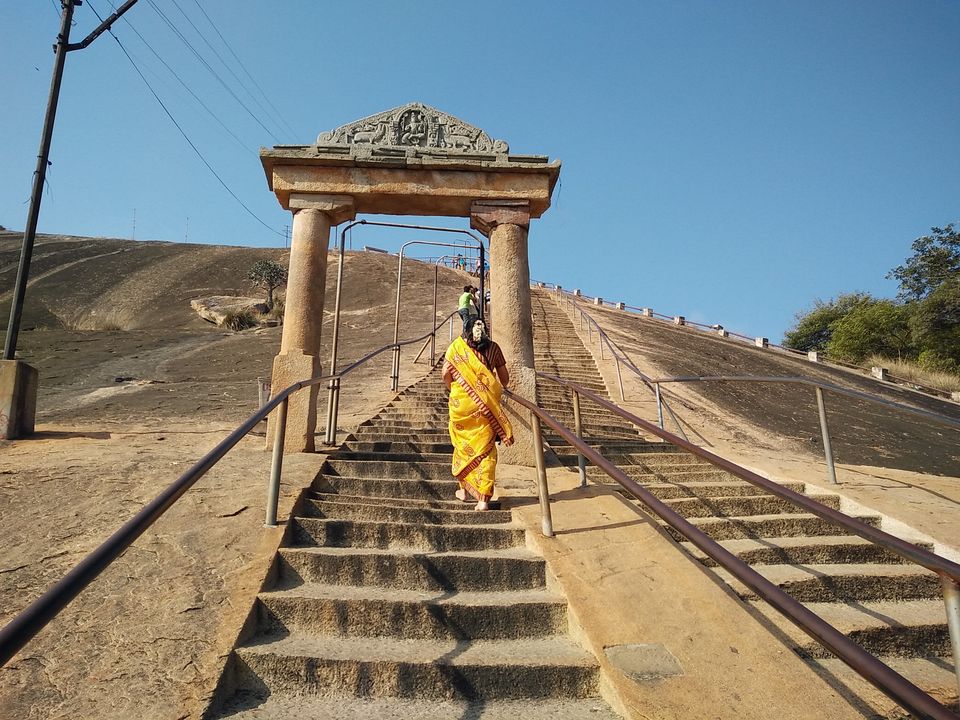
x=874 y=327
x=814 y=328
x=935 y=260
x=268 y=275
x=935 y=324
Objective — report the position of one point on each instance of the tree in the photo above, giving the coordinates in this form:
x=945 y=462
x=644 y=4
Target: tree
x=935 y=324
x=935 y=259
x=874 y=327
x=814 y=328
x=268 y=275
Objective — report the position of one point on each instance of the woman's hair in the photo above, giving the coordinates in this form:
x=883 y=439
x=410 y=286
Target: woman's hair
x=467 y=288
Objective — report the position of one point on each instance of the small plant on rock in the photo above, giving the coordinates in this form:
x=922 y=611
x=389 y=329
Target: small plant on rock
x=268 y=275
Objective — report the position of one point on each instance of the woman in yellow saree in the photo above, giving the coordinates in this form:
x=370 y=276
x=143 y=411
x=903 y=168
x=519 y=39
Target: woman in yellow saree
x=475 y=372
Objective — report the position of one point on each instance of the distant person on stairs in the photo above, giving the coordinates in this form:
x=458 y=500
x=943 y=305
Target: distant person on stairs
x=475 y=373
x=467 y=306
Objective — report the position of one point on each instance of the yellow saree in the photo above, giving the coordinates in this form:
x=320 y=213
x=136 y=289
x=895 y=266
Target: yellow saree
x=476 y=419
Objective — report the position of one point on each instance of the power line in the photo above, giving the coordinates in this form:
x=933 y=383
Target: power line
x=222 y=61
x=278 y=114
x=202 y=104
x=189 y=141
x=207 y=65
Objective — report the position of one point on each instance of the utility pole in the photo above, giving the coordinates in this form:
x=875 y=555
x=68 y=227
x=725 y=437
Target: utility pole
x=61 y=48
x=18 y=389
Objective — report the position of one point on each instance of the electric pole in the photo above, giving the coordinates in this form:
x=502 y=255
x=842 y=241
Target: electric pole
x=61 y=48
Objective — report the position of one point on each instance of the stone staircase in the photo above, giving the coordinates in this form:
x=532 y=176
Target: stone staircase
x=391 y=599
x=892 y=609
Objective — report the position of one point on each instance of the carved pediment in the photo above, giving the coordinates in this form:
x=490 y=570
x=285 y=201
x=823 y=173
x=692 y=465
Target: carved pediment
x=414 y=126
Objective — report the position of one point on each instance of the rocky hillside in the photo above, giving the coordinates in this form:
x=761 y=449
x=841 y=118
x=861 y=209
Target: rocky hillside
x=108 y=323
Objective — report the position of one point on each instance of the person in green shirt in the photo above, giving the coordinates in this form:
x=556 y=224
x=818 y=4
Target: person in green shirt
x=467 y=306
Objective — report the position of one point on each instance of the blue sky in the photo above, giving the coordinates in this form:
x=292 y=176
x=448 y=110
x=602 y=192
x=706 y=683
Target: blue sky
x=727 y=161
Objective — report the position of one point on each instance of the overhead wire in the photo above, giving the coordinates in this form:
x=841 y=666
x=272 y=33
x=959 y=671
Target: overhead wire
x=209 y=68
x=277 y=113
x=186 y=87
x=181 y=130
x=223 y=62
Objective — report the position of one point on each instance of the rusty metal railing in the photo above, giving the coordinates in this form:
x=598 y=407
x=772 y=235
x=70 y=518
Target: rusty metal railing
x=880 y=675
x=19 y=631
x=818 y=388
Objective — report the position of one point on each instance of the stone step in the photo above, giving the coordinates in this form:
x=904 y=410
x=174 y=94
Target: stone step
x=435 y=435
x=708 y=489
x=413 y=489
x=768 y=526
x=845 y=582
x=934 y=676
x=436 y=669
x=509 y=569
x=653 y=460
x=407 y=446
x=410 y=457
x=323 y=532
x=332 y=508
x=428 y=414
x=402 y=469
x=248 y=707
x=831 y=549
x=914 y=628
x=631 y=445
x=450 y=503
x=679 y=475
x=343 y=611
x=410 y=426
x=741 y=506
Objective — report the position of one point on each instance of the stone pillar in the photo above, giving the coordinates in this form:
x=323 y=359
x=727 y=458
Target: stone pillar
x=506 y=224
x=299 y=356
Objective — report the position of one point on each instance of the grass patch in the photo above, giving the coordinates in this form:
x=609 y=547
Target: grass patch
x=913 y=372
x=240 y=320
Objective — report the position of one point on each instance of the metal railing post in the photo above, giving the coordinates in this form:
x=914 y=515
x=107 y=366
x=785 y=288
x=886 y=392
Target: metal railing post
x=276 y=466
x=578 y=428
x=620 y=379
x=451 y=328
x=659 y=405
x=395 y=373
x=546 y=520
x=333 y=411
x=825 y=432
x=951 y=598
x=600 y=343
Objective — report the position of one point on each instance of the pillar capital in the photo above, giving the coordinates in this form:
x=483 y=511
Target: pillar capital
x=485 y=215
x=339 y=208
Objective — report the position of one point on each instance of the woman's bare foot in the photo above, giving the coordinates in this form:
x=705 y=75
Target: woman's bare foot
x=461 y=495
x=482 y=506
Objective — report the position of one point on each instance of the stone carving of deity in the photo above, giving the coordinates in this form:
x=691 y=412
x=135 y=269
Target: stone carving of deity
x=413 y=128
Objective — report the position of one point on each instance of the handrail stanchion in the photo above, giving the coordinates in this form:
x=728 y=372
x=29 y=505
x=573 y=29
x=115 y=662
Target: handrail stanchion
x=395 y=372
x=578 y=428
x=825 y=432
x=334 y=411
x=276 y=466
x=451 y=328
x=659 y=405
x=546 y=520
x=951 y=598
x=623 y=397
x=600 y=343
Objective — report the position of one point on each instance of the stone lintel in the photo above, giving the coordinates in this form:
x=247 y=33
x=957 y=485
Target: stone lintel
x=340 y=208
x=412 y=189
x=485 y=215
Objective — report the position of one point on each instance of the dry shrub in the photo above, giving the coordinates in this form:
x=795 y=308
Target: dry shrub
x=240 y=320
x=913 y=372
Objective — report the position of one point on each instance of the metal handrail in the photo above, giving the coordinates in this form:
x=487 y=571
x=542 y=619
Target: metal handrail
x=18 y=632
x=868 y=666
x=929 y=390
x=927 y=414
x=621 y=357
x=818 y=387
